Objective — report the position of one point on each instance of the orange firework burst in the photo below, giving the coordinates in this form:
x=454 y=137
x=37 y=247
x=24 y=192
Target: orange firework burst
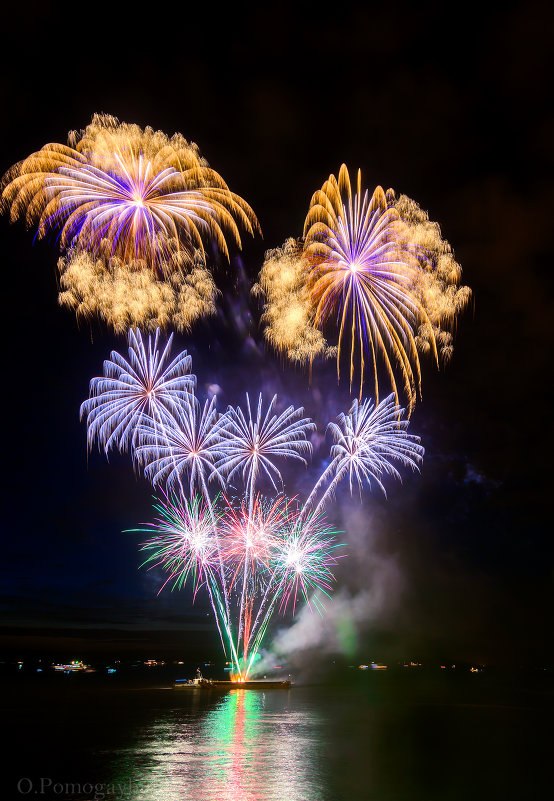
x=376 y=265
x=117 y=190
x=364 y=269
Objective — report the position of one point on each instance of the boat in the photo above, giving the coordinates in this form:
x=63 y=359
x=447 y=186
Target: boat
x=74 y=667
x=214 y=684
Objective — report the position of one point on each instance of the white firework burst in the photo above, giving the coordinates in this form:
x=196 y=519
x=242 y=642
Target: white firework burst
x=367 y=442
x=189 y=444
x=251 y=442
x=146 y=386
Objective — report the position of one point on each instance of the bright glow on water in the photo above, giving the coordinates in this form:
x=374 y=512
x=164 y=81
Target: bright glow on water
x=378 y=736
x=250 y=746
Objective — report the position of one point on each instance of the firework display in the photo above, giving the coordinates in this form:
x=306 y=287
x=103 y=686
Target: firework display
x=184 y=544
x=131 y=207
x=377 y=267
x=138 y=215
x=216 y=525
x=251 y=562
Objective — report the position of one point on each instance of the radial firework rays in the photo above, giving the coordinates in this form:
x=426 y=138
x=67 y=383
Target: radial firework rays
x=184 y=543
x=378 y=269
x=133 y=210
x=363 y=271
x=145 y=388
x=251 y=442
x=304 y=561
x=367 y=443
x=189 y=445
x=123 y=191
x=253 y=535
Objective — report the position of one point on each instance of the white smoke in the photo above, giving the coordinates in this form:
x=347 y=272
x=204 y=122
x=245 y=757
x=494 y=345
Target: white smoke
x=372 y=586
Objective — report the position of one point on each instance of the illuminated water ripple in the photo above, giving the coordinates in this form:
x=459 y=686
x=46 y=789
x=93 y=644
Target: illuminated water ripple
x=247 y=746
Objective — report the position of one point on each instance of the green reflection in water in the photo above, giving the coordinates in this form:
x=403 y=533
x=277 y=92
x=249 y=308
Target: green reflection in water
x=244 y=746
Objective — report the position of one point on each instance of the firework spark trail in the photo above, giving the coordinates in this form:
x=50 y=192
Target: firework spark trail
x=190 y=442
x=186 y=544
x=302 y=561
x=278 y=526
x=300 y=556
x=251 y=537
x=146 y=387
x=251 y=443
x=367 y=441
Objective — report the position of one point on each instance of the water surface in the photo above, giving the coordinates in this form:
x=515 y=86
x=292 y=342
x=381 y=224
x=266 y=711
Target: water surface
x=383 y=738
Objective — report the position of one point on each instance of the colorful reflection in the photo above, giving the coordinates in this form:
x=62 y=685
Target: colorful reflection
x=244 y=746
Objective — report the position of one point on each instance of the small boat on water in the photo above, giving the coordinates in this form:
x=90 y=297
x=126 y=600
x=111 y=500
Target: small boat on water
x=213 y=684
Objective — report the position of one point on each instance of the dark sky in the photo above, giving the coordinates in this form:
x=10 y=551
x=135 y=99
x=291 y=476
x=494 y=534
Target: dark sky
x=454 y=109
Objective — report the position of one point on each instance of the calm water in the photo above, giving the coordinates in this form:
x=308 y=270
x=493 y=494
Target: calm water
x=386 y=738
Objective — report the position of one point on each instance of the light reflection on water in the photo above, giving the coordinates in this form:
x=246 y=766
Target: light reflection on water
x=246 y=746
x=386 y=738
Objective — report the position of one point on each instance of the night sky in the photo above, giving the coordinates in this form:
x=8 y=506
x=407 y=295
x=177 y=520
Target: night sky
x=454 y=109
